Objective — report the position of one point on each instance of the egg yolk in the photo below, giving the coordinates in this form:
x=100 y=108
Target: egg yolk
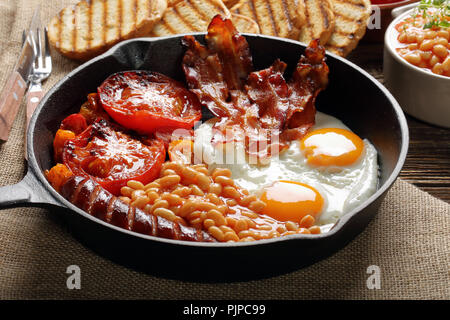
x=291 y=201
x=331 y=147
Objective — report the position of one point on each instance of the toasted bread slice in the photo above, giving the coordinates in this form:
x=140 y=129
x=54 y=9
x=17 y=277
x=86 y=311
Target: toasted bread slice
x=244 y=24
x=350 y=25
x=230 y=3
x=280 y=18
x=319 y=21
x=90 y=27
x=189 y=16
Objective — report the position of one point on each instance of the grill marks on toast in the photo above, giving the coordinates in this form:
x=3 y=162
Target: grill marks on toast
x=244 y=24
x=350 y=25
x=282 y=18
x=90 y=27
x=189 y=16
x=319 y=21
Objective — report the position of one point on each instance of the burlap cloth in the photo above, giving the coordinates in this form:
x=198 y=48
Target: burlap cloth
x=409 y=240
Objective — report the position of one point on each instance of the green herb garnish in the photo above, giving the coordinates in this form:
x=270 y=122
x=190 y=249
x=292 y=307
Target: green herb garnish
x=437 y=17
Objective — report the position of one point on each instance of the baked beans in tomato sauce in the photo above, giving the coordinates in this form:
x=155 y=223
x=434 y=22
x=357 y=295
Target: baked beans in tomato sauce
x=426 y=48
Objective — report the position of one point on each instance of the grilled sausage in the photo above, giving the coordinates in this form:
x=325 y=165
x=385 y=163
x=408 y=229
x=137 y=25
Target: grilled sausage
x=89 y=196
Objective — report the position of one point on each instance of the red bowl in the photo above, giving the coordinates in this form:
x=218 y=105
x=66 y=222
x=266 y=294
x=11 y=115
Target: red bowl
x=385 y=8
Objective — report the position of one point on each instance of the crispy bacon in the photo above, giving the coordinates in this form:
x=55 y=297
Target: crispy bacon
x=261 y=105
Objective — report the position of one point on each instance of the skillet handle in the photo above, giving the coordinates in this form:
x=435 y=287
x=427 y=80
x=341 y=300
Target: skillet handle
x=28 y=192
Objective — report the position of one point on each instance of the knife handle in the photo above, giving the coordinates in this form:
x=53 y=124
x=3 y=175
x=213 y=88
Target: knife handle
x=10 y=100
x=34 y=96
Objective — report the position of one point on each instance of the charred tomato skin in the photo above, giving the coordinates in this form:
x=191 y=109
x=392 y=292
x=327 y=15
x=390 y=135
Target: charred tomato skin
x=112 y=157
x=146 y=101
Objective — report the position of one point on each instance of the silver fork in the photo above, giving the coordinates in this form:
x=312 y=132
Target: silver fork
x=42 y=69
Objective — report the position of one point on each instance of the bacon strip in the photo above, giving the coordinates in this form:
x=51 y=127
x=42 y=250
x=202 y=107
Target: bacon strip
x=261 y=104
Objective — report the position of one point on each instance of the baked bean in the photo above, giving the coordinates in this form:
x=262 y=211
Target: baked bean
x=225 y=229
x=250 y=214
x=446 y=64
x=148 y=208
x=182 y=191
x=273 y=234
x=413 y=58
x=218 y=218
x=207 y=223
x=426 y=45
x=240 y=225
x=135 y=184
x=230 y=236
x=169 y=181
x=314 y=230
x=215 y=188
x=125 y=199
x=250 y=222
x=152 y=185
x=194 y=215
x=168 y=172
x=172 y=199
x=126 y=191
x=160 y=204
x=243 y=234
x=196 y=223
x=442 y=41
x=247 y=199
x=231 y=222
x=221 y=172
x=213 y=198
x=180 y=220
x=196 y=191
x=231 y=202
x=203 y=181
x=224 y=181
x=291 y=226
x=231 y=192
x=216 y=233
x=430 y=34
x=165 y=213
x=152 y=196
x=175 y=166
x=426 y=55
x=187 y=208
x=411 y=37
x=257 y=205
x=222 y=208
x=189 y=173
x=438 y=69
x=282 y=229
x=140 y=202
x=307 y=221
x=440 y=50
x=443 y=34
x=434 y=59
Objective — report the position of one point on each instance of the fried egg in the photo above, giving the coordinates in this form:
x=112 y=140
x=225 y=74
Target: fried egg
x=326 y=174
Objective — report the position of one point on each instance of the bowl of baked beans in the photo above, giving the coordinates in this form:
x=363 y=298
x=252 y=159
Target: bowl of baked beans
x=417 y=61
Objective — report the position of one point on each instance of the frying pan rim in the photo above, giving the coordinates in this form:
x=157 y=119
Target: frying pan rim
x=338 y=226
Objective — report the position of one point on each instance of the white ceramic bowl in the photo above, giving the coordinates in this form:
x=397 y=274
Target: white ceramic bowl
x=421 y=93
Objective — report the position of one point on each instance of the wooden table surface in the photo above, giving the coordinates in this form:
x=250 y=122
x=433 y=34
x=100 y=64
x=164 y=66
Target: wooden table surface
x=428 y=161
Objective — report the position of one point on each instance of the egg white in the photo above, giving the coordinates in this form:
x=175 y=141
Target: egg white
x=343 y=188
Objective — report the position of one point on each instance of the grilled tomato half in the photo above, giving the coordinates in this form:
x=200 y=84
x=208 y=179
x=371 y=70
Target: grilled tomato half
x=146 y=101
x=112 y=157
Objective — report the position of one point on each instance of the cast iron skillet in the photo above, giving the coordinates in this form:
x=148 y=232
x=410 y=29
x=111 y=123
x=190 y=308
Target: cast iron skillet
x=352 y=96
